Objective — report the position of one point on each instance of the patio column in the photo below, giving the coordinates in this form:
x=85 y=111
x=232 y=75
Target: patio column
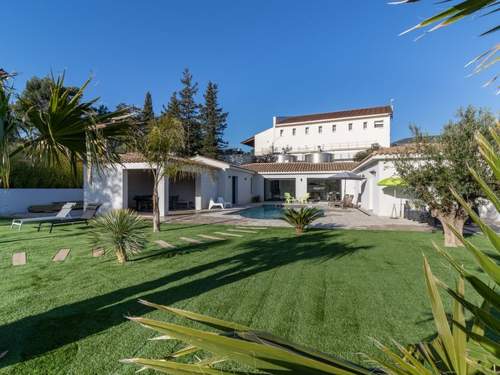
x=163 y=195
x=300 y=186
x=198 y=204
x=124 y=188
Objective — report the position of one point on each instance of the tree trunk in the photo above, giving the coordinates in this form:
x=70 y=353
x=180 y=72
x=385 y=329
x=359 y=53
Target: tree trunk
x=455 y=220
x=121 y=256
x=299 y=230
x=156 y=207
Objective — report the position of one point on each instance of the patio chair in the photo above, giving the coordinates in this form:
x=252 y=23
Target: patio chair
x=88 y=214
x=304 y=199
x=288 y=198
x=347 y=202
x=224 y=204
x=63 y=213
x=212 y=204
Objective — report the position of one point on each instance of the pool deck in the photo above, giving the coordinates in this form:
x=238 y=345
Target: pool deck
x=334 y=218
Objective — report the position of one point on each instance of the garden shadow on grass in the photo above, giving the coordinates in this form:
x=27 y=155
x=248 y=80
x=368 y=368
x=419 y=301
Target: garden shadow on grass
x=39 y=334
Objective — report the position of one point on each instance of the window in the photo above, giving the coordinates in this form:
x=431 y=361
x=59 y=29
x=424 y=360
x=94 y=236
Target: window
x=281 y=132
x=293 y=131
x=320 y=129
x=350 y=126
x=334 y=128
x=307 y=130
x=365 y=125
x=379 y=123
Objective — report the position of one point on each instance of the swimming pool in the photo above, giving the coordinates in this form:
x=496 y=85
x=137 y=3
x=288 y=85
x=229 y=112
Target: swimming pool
x=267 y=211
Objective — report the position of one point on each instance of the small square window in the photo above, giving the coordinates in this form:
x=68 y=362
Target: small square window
x=281 y=132
x=365 y=125
x=320 y=130
x=293 y=131
x=307 y=130
x=350 y=126
x=334 y=128
x=379 y=123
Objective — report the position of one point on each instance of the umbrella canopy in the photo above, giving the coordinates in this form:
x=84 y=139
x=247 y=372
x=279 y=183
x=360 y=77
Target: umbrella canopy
x=346 y=176
x=392 y=182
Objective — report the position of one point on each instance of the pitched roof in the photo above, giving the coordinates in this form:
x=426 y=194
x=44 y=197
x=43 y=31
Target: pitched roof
x=281 y=121
x=300 y=167
x=136 y=157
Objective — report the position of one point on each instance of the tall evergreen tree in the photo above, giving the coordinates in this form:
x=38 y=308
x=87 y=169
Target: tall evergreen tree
x=172 y=108
x=189 y=115
x=147 y=111
x=213 y=123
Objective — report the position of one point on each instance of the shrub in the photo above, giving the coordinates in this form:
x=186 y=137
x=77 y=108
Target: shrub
x=119 y=231
x=300 y=219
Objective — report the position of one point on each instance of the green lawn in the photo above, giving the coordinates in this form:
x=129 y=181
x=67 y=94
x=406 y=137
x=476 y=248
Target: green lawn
x=331 y=290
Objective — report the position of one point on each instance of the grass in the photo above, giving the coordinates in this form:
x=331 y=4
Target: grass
x=330 y=290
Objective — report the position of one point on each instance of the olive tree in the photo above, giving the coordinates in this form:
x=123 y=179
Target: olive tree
x=430 y=167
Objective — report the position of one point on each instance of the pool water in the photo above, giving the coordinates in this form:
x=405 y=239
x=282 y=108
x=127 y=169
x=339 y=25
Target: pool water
x=266 y=211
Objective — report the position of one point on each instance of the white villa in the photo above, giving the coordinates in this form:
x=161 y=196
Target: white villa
x=311 y=150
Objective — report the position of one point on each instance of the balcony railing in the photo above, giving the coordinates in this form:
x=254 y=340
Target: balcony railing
x=328 y=147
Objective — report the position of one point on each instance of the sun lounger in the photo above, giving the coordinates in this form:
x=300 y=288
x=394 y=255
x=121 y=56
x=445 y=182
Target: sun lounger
x=88 y=214
x=63 y=213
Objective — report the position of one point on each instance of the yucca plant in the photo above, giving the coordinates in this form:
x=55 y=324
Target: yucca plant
x=119 y=231
x=251 y=348
x=462 y=348
x=300 y=219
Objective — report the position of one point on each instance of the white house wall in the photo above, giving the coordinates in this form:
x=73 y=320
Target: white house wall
x=106 y=188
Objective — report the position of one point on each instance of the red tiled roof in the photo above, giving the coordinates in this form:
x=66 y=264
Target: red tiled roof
x=281 y=121
x=300 y=167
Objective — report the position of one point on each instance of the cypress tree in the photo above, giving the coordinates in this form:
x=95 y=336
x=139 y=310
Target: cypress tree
x=188 y=114
x=147 y=111
x=213 y=123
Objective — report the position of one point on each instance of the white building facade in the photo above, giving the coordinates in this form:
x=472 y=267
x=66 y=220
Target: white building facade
x=339 y=134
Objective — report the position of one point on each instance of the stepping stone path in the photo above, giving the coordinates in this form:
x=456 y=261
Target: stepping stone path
x=97 y=252
x=229 y=234
x=190 y=240
x=19 y=259
x=251 y=228
x=164 y=245
x=210 y=237
x=241 y=231
x=61 y=255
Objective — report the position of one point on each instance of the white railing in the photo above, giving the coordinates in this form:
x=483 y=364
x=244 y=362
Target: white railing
x=328 y=147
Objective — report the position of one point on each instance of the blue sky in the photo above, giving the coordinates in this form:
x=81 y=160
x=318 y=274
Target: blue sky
x=269 y=57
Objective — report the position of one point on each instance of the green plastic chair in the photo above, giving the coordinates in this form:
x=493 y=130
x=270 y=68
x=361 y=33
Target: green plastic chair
x=288 y=198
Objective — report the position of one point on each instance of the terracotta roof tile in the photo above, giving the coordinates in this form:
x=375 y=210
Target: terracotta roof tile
x=300 y=167
x=281 y=121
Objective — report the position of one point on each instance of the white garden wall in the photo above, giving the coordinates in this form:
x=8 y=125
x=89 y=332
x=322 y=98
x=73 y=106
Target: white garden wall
x=17 y=201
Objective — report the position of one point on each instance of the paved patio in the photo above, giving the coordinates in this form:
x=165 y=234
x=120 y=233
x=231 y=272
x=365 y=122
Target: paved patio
x=334 y=218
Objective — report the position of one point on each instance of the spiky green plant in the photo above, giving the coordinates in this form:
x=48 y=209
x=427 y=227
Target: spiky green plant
x=462 y=348
x=258 y=350
x=119 y=231
x=301 y=218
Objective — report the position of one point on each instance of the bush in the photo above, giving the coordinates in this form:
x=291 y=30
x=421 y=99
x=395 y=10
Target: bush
x=301 y=218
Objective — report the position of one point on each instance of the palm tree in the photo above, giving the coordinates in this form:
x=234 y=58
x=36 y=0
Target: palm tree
x=119 y=231
x=71 y=129
x=8 y=128
x=457 y=12
x=300 y=219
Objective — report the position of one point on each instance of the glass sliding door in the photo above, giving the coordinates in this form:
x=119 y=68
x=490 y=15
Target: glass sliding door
x=321 y=189
x=275 y=189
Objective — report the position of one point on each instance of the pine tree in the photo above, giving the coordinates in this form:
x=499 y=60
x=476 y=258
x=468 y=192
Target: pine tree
x=147 y=111
x=213 y=123
x=188 y=115
x=172 y=107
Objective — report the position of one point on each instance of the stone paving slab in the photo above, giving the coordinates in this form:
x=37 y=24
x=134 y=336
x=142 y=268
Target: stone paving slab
x=190 y=240
x=210 y=237
x=251 y=227
x=164 y=245
x=97 y=252
x=61 y=255
x=19 y=259
x=242 y=231
x=229 y=234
